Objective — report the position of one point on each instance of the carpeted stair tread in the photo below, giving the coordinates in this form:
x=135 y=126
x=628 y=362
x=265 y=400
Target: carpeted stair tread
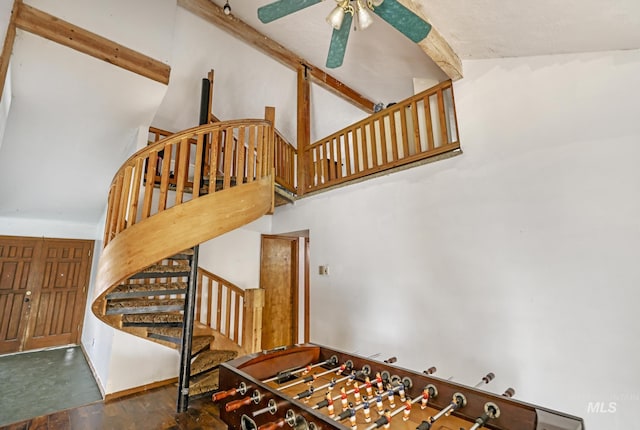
x=163 y=271
x=200 y=343
x=124 y=291
x=143 y=305
x=207 y=360
x=171 y=319
x=167 y=334
x=205 y=383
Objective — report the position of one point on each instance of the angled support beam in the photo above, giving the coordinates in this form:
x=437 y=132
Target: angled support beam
x=7 y=48
x=208 y=11
x=48 y=26
x=435 y=46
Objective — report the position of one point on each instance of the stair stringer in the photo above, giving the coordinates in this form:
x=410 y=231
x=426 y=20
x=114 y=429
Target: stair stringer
x=173 y=230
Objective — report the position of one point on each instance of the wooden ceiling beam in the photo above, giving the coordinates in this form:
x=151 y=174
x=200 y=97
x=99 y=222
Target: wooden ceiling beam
x=7 y=47
x=435 y=46
x=209 y=11
x=50 y=27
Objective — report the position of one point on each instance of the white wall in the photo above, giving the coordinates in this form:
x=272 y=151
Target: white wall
x=235 y=255
x=517 y=257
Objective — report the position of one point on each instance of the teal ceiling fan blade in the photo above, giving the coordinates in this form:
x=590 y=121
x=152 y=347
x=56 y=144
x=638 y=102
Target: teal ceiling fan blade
x=281 y=8
x=403 y=20
x=339 y=43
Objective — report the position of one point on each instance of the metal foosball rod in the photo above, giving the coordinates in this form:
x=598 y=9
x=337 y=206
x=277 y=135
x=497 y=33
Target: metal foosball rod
x=339 y=370
x=381 y=396
x=325 y=403
x=458 y=401
x=281 y=376
x=491 y=411
x=485 y=380
x=386 y=417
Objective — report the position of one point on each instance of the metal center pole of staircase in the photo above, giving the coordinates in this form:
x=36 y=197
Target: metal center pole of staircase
x=190 y=297
x=187 y=334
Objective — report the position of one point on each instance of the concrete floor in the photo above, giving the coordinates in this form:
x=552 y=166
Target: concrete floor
x=42 y=382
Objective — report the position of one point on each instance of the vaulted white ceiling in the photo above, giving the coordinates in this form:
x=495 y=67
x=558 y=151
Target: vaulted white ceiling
x=74 y=117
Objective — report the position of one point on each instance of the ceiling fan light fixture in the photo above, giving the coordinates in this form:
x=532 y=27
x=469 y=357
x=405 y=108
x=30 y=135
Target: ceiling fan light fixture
x=363 y=16
x=335 y=18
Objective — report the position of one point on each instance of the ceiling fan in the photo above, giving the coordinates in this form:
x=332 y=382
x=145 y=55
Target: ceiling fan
x=341 y=17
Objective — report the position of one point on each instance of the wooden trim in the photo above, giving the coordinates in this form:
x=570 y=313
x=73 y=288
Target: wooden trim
x=209 y=11
x=94 y=372
x=142 y=388
x=50 y=27
x=304 y=128
x=7 y=48
x=435 y=45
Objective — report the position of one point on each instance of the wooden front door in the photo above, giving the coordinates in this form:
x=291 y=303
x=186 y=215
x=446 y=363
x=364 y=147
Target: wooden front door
x=279 y=279
x=43 y=290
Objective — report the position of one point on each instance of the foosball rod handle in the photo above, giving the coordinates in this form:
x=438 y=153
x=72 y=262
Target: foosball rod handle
x=485 y=379
x=509 y=392
x=272 y=425
x=430 y=371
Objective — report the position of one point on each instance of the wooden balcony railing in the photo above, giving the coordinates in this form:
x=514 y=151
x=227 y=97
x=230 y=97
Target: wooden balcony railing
x=223 y=306
x=420 y=127
x=174 y=169
x=286 y=160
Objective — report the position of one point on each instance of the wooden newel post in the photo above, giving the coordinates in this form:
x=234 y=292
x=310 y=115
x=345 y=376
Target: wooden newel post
x=252 y=329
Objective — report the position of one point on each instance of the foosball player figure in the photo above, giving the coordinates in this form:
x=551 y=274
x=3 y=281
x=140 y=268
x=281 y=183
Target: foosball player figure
x=387 y=415
x=366 y=410
x=332 y=384
x=425 y=398
x=367 y=384
x=356 y=394
x=341 y=369
x=343 y=398
x=330 y=408
x=407 y=411
x=379 y=381
x=402 y=394
x=306 y=370
x=352 y=417
x=391 y=396
x=352 y=378
x=379 y=402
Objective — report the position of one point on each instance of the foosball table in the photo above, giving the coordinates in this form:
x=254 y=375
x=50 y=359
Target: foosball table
x=312 y=387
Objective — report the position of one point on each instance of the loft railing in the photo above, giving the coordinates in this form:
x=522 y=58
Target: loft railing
x=173 y=170
x=420 y=127
x=286 y=160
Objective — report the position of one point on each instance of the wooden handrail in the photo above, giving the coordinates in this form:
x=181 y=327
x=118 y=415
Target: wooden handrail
x=174 y=169
x=417 y=128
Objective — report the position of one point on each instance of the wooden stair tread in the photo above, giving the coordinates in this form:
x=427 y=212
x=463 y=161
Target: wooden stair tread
x=207 y=360
x=205 y=383
x=200 y=343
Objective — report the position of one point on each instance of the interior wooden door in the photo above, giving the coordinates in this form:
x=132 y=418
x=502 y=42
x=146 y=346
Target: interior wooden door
x=279 y=279
x=16 y=259
x=43 y=289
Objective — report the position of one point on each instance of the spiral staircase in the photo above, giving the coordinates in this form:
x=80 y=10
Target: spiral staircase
x=163 y=202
